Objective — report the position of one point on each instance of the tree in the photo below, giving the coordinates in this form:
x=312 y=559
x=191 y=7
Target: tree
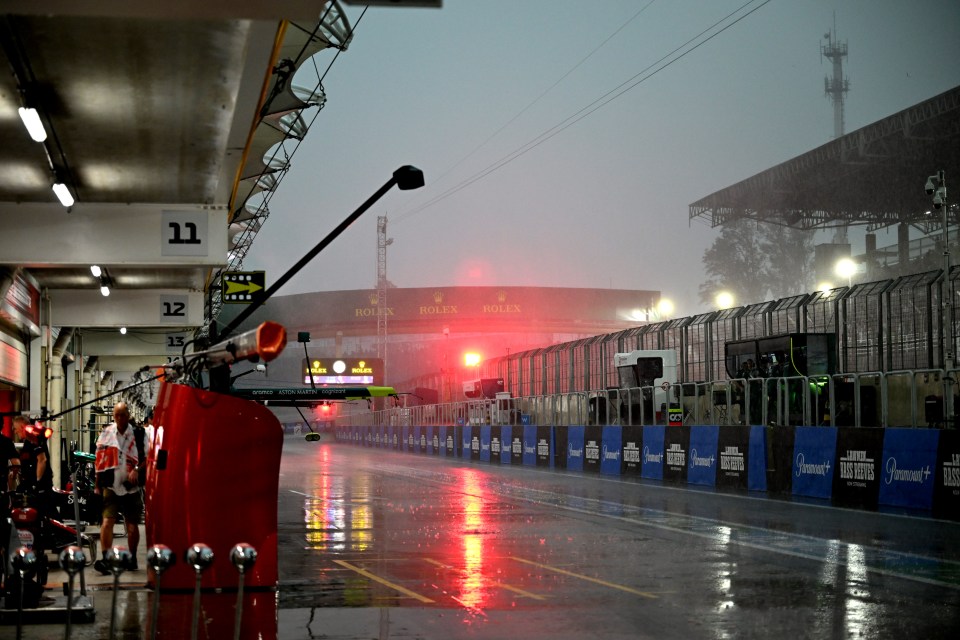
x=756 y=261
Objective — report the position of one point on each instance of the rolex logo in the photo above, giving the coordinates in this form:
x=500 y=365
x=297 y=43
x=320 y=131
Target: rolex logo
x=438 y=297
x=373 y=298
x=501 y=296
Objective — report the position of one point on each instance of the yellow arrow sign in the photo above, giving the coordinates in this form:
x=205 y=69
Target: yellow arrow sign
x=236 y=287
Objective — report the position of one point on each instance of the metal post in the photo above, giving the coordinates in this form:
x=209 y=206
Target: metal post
x=24 y=562
x=159 y=558
x=118 y=560
x=243 y=556
x=72 y=559
x=198 y=556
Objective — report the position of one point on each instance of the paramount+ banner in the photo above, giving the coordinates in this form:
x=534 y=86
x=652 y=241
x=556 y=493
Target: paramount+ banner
x=652 y=452
x=574 y=447
x=908 y=470
x=611 y=453
x=814 y=461
x=702 y=464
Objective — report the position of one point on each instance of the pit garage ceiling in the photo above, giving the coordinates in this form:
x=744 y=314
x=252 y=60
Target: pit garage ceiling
x=151 y=111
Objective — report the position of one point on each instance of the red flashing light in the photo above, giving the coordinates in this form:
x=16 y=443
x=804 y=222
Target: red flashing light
x=471 y=359
x=38 y=430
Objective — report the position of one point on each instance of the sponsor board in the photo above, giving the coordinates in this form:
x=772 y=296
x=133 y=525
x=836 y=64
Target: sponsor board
x=703 y=457
x=814 y=461
x=676 y=452
x=631 y=438
x=946 y=491
x=466 y=440
x=530 y=445
x=574 y=446
x=485 y=443
x=560 y=436
x=544 y=446
x=733 y=460
x=856 y=479
x=611 y=453
x=908 y=467
x=516 y=444
x=506 y=444
x=651 y=455
x=496 y=445
x=757 y=459
x=592 y=446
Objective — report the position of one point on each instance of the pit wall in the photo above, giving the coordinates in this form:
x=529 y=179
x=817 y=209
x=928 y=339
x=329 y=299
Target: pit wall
x=913 y=470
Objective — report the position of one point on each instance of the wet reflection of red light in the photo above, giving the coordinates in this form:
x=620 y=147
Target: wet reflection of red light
x=472 y=592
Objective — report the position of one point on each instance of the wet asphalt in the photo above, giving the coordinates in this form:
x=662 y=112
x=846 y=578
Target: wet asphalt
x=381 y=544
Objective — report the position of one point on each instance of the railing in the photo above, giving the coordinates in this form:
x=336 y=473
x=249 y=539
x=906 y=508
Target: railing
x=873 y=399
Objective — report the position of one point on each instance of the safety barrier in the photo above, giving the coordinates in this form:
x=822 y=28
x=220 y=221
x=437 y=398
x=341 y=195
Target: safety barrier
x=864 y=467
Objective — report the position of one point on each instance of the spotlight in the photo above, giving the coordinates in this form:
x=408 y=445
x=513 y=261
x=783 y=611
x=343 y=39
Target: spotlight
x=95 y=270
x=63 y=193
x=104 y=290
x=123 y=331
x=31 y=120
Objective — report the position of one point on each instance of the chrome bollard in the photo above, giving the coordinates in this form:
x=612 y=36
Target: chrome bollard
x=118 y=560
x=159 y=558
x=199 y=556
x=72 y=560
x=24 y=562
x=243 y=556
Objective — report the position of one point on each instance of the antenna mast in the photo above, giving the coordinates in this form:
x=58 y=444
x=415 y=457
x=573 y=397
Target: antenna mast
x=836 y=89
x=382 y=243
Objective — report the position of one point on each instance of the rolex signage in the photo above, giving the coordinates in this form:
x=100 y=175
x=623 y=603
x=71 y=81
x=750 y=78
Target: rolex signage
x=327 y=371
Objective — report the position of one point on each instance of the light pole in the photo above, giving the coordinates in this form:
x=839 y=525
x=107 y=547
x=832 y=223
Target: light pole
x=937 y=188
x=404 y=178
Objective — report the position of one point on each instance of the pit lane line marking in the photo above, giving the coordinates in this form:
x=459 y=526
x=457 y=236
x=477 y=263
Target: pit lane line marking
x=604 y=583
x=502 y=585
x=376 y=578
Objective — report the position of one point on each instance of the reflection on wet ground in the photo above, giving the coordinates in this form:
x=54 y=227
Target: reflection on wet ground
x=509 y=551
x=376 y=544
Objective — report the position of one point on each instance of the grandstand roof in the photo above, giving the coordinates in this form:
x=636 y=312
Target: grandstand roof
x=873 y=176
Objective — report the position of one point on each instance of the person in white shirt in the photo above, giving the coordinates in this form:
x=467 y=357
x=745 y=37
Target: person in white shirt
x=116 y=466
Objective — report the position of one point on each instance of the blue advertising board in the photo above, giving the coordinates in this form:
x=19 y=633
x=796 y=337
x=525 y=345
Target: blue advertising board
x=506 y=440
x=814 y=461
x=611 y=450
x=702 y=461
x=652 y=458
x=757 y=459
x=908 y=467
x=466 y=435
x=485 y=443
x=575 y=448
x=530 y=445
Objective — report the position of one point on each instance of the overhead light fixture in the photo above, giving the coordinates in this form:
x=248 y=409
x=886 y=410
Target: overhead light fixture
x=31 y=120
x=63 y=193
x=95 y=270
x=123 y=331
x=104 y=290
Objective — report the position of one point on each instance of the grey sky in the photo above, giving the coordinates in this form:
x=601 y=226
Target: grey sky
x=604 y=202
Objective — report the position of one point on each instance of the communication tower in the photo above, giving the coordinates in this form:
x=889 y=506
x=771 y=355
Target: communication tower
x=382 y=243
x=836 y=89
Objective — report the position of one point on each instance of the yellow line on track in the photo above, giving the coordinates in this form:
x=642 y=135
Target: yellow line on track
x=516 y=590
x=376 y=578
x=612 y=585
